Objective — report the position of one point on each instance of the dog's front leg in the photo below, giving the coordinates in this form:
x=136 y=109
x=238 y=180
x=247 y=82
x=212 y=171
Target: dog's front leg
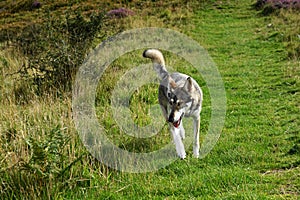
x=182 y=131
x=178 y=142
x=196 y=146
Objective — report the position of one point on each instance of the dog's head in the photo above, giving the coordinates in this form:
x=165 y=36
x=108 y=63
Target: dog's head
x=180 y=100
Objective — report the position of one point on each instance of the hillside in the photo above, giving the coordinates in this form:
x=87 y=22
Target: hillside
x=256 y=52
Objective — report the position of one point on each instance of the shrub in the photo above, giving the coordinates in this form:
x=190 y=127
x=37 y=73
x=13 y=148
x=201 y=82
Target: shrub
x=55 y=49
x=269 y=6
x=21 y=5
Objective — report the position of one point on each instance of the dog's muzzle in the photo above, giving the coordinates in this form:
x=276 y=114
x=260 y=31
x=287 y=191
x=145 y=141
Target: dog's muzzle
x=176 y=123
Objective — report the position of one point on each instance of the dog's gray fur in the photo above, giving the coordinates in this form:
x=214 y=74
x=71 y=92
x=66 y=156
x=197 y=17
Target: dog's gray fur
x=179 y=96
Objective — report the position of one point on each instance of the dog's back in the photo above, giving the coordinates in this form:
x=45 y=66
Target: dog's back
x=179 y=96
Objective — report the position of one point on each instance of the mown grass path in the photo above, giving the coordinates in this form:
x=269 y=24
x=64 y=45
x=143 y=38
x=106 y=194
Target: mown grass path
x=262 y=125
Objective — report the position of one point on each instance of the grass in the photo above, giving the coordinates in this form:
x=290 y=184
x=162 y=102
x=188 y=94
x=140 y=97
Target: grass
x=256 y=157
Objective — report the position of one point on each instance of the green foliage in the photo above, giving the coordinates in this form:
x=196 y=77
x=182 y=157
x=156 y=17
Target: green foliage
x=55 y=49
x=47 y=158
x=45 y=167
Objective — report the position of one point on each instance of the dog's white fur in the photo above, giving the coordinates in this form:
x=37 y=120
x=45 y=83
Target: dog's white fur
x=179 y=96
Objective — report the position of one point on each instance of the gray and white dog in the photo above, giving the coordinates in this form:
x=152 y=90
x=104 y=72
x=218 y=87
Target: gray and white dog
x=179 y=96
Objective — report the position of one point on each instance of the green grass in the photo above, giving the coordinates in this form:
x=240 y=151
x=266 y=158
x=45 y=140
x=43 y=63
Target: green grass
x=256 y=157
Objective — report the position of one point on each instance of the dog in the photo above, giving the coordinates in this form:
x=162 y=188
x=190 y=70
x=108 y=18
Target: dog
x=179 y=96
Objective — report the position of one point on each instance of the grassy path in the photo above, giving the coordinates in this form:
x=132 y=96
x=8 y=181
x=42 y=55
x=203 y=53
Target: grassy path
x=262 y=125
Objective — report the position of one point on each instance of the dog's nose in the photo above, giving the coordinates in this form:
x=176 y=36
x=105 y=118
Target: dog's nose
x=171 y=119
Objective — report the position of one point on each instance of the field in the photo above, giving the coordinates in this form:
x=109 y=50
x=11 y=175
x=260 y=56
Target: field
x=257 y=54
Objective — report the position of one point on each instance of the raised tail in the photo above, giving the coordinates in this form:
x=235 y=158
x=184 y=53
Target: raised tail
x=158 y=62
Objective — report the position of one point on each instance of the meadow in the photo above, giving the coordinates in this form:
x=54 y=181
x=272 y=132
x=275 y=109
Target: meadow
x=256 y=50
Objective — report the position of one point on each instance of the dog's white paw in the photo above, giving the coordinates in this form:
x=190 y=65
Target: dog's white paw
x=196 y=153
x=182 y=156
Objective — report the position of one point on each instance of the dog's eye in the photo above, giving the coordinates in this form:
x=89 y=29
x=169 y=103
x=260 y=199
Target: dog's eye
x=171 y=101
x=169 y=94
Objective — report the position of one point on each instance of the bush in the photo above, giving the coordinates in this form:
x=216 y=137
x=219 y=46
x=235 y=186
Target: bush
x=270 y=6
x=55 y=49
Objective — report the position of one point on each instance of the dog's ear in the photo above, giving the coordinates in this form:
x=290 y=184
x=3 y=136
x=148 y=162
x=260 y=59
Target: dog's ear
x=172 y=83
x=188 y=86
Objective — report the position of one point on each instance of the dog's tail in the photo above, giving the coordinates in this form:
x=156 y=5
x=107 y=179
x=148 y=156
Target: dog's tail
x=158 y=62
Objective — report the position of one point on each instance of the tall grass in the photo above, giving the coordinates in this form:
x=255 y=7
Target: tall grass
x=39 y=145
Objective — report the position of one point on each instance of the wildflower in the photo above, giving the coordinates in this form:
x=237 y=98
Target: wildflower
x=277 y=4
x=36 y=4
x=120 y=13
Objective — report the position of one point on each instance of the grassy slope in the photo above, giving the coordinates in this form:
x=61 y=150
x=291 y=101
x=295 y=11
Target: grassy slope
x=252 y=159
